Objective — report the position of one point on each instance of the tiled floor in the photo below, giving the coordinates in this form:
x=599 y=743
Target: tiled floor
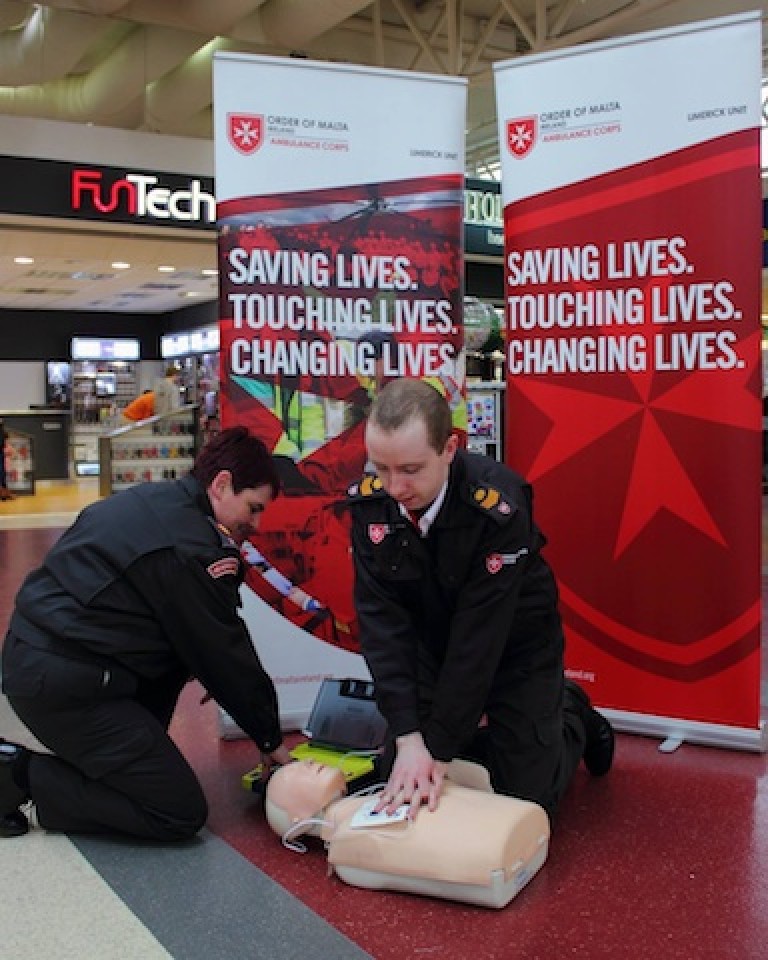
x=53 y=503
x=666 y=859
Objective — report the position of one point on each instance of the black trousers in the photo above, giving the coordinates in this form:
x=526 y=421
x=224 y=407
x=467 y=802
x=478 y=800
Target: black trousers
x=534 y=737
x=113 y=767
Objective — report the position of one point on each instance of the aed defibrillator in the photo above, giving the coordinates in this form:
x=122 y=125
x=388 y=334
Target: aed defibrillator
x=345 y=730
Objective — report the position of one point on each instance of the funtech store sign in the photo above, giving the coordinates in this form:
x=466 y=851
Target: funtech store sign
x=141 y=195
x=53 y=188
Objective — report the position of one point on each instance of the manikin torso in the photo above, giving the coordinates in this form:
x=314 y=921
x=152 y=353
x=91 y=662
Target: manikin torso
x=477 y=846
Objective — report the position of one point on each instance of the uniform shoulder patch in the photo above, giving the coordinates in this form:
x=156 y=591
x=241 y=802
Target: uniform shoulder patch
x=490 y=500
x=225 y=567
x=369 y=486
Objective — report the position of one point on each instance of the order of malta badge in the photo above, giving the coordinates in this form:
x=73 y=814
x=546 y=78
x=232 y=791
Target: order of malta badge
x=377 y=532
x=521 y=136
x=245 y=131
x=494 y=562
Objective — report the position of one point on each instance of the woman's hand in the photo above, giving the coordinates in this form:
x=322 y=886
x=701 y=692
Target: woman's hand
x=277 y=758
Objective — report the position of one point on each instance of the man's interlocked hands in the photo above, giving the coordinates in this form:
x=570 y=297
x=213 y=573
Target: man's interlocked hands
x=416 y=777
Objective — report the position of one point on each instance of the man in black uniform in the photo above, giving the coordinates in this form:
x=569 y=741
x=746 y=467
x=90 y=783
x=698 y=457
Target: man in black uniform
x=458 y=614
x=137 y=597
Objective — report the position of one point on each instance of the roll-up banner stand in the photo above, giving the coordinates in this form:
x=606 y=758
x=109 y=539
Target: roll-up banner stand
x=340 y=206
x=632 y=205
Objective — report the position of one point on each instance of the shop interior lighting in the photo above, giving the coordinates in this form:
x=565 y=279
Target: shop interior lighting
x=166 y=268
x=24 y=261
x=121 y=265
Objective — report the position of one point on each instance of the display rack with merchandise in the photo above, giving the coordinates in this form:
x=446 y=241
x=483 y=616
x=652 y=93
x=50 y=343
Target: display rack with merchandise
x=196 y=354
x=483 y=339
x=19 y=463
x=160 y=448
x=100 y=389
x=104 y=380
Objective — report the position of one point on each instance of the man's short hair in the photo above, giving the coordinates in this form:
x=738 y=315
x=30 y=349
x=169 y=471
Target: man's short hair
x=403 y=400
x=245 y=456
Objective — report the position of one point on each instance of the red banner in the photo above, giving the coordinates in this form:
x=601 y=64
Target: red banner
x=634 y=380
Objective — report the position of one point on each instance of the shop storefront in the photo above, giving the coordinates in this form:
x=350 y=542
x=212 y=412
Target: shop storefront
x=64 y=206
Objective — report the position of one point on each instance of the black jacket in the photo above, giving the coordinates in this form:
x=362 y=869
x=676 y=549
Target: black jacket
x=147 y=579
x=440 y=615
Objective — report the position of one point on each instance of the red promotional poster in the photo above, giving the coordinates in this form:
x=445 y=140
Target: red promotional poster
x=325 y=297
x=634 y=379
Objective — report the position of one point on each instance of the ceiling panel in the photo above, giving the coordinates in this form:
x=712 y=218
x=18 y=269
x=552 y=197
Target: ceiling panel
x=72 y=269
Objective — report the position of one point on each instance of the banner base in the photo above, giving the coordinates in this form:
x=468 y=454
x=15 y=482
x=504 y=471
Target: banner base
x=673 y=732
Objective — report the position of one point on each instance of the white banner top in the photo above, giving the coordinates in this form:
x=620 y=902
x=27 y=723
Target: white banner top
x=571 y=118
x=277 y=111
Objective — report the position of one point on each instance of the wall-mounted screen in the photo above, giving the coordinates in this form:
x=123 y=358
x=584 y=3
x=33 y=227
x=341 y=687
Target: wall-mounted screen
x=184 y=344
x=105 y=385
x=99 y=348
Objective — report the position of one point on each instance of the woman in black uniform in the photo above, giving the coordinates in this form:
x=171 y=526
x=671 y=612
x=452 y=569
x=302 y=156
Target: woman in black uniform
x=137 y=597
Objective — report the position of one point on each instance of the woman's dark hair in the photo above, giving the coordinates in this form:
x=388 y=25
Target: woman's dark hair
x=244 y=455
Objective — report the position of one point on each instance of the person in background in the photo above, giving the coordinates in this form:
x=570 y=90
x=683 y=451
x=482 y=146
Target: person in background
x=164 y=398
x=167 y=391
x=5 y=493
x=140 y=408
x=458 y=614
x=137 y=597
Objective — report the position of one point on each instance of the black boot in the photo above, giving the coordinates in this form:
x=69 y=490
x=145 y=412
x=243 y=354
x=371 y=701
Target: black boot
x=13 y=823
x=601 y=742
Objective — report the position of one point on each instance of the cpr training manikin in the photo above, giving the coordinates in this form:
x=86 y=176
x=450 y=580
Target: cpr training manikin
x=477 y=847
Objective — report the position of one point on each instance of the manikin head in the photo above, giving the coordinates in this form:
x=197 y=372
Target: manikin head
x=301 y=791
x=410 y=442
